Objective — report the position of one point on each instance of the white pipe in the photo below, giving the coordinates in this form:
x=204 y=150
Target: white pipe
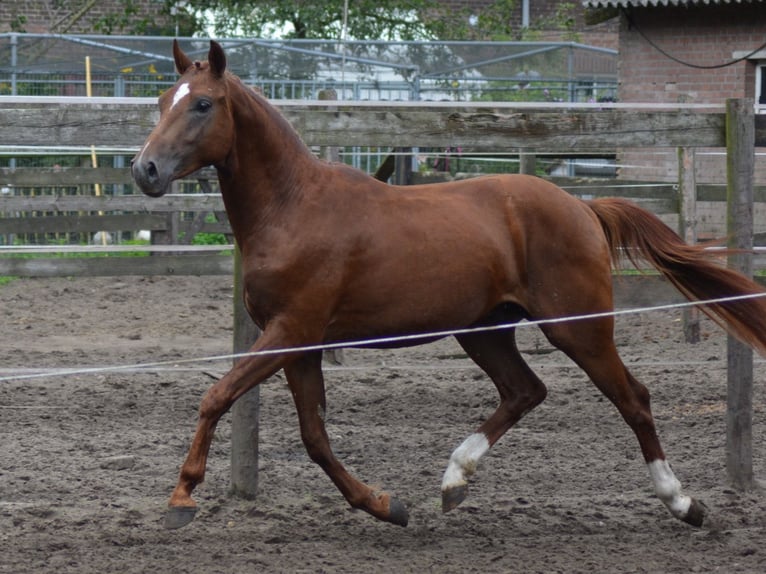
x=525 y=14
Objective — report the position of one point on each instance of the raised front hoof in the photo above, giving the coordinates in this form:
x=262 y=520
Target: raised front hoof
x=453 y=497
x=179 y=516
x=397 y=513
x=696 y=514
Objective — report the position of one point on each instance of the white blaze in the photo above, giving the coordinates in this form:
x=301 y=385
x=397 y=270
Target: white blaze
x=143 y=149
x=181 y=92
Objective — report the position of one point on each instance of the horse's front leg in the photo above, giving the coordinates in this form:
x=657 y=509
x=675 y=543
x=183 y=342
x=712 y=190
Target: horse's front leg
x=304 y=376
x=246 y=374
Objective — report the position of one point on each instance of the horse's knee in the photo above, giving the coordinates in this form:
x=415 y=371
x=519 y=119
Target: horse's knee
x=212 y=405
x=640 y=392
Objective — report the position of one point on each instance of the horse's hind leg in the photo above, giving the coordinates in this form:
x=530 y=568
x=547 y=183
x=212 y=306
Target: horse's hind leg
x=591 y=345
x=520 y=391
x=304 y=376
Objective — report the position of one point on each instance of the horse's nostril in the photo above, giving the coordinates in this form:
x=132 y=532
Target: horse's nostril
x=151 y=169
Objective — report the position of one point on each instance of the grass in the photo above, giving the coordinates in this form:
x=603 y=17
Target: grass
x=6 y=279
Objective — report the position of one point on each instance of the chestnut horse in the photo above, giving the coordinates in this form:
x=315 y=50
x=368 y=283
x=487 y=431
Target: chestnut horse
x=331 y=255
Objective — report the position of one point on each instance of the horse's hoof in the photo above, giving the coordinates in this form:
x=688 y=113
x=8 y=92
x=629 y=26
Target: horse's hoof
x=397 y=513
x=453 y=497
x=696 y=514
x=179 y=516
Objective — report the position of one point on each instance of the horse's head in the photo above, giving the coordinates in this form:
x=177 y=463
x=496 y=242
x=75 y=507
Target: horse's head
x=195 y=128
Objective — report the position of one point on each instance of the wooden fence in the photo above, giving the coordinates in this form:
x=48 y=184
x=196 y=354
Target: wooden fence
x=86 y=215
x=567 y=131
x=124 y=123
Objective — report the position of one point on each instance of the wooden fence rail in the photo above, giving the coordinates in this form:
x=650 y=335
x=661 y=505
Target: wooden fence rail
x=120 y=125
x=125 y=122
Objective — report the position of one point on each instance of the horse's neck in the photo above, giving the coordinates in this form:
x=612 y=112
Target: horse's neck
x=270 y=167
x=267 y=145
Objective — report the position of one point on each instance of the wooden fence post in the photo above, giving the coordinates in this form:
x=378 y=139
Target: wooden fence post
x=244 y=413
x=740 y=158
x=687 y=216
x=527 y=163
x=331 y=154
x=402 y=165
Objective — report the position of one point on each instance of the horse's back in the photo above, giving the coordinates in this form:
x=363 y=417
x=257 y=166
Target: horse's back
x=450 y=253
x=560 y=260
x=527 y=209
x=524 y=221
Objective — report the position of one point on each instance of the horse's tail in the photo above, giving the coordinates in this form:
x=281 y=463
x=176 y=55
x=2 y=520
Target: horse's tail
x=638 y=234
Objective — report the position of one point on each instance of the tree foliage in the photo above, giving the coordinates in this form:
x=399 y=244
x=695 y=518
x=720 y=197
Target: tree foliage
x=315 y=19
x=311 y=19
x=366 y=19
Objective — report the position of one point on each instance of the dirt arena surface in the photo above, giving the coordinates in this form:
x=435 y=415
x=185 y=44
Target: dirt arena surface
x=88 y=461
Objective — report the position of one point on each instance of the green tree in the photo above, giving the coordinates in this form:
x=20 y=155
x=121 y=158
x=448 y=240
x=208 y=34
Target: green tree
x=316 y=19
x=368 y=19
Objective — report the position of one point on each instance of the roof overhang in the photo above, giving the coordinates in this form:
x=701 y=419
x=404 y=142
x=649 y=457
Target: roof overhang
x=597 y=11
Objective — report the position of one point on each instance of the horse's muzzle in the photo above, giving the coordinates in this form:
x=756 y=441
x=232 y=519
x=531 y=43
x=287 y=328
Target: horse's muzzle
x=148 y=177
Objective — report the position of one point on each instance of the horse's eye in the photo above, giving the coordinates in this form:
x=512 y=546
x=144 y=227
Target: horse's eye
x=203 y=105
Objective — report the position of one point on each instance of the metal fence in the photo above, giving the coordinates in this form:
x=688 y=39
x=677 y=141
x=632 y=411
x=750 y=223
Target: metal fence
x=55 y=65
x=32 y=64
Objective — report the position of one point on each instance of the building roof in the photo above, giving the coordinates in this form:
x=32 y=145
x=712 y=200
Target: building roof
x=654 y=3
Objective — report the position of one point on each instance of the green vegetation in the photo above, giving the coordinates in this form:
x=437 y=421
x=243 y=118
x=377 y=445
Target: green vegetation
x=210 y=239
x=369 y=19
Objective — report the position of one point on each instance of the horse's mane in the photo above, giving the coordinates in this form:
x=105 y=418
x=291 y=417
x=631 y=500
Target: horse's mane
x=259 y=98
x=254 y=93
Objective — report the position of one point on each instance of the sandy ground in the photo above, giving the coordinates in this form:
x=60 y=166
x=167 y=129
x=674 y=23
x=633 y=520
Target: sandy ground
x=87 y=461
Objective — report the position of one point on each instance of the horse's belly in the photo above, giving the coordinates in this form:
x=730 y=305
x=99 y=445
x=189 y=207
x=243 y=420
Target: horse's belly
x=419 y=302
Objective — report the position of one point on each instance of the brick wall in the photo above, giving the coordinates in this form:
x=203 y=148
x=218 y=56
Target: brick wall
x=43 y=16
x=603 y=35
x=703 y=35
x=538 y=10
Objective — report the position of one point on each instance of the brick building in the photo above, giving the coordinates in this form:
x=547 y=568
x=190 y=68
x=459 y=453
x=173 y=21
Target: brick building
x=150 y=17
x=539 y=14
x=687 y=51
x=704 y=35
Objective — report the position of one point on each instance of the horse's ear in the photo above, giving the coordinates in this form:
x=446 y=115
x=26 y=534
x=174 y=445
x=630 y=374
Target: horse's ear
x=183 y=62
x=216 y=58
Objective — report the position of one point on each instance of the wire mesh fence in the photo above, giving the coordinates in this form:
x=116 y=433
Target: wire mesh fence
x=32 y=64
x=127 y=66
